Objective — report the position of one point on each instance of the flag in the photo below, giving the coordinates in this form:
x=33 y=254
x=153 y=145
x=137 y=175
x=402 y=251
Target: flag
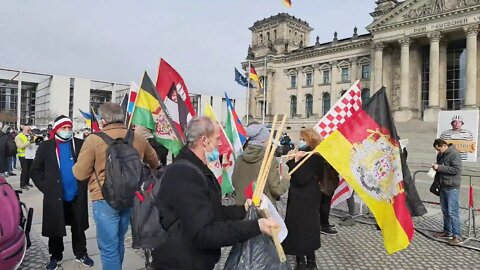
x=240 y=129
x=232 y=134
x=365 y=150
x=124 y=105
x=132 y=97
x=150 y=112
x=223 y=171
x=253 y=76
x=94 y=124
x=242 y=80
x=348 y=104
x=287 y=3
x=87 y=117
x=173 y=92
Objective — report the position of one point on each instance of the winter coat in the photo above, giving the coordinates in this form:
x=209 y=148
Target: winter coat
x=7 y=149
x=92 y=157
x=246 y=170
x=204 y=224
x=46 y=176
x=449 y=172
x=302 y=217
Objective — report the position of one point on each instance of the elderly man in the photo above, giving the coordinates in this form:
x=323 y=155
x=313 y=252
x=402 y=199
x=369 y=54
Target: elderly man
x=112 y=224
x=191 y=207
x=461 y=138
x=449 y=174
x=64 y=197
x=23 y=140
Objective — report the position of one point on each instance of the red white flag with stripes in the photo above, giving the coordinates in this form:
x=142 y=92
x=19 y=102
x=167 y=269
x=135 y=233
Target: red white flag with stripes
x=348 y=104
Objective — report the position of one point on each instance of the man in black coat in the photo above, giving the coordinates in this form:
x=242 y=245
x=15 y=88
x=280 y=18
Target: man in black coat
x=64 y=197
x=191 y=209
x=7 y=149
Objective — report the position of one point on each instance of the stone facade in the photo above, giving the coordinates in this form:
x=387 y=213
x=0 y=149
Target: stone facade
x=424 y=51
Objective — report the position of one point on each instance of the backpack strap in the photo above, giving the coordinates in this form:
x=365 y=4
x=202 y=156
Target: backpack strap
x=107 y=139
x=129 y=137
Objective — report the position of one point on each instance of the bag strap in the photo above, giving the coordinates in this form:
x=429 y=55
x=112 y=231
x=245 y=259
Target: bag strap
x=107 y=139
x=129 y=137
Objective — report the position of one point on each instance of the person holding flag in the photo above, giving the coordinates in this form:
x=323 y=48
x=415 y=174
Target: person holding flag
x=247 y=167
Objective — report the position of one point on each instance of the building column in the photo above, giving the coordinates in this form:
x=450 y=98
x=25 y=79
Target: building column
x=471 y=86
x=405 y=112
x=431 y=114
x=354 y=70
x=378 y=48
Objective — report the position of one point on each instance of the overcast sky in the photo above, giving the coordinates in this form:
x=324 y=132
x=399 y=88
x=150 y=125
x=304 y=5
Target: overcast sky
x=116 y=40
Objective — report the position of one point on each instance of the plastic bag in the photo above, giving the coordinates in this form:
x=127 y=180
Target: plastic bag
x=258 y=253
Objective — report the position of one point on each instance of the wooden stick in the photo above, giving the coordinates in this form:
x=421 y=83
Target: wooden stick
x=276 y=241
x=256 y=193
x=264 y=176
x=292 y=155
x=301 y=163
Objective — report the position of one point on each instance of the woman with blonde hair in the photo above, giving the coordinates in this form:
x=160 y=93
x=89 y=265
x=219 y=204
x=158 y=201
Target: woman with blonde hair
x=302 y=215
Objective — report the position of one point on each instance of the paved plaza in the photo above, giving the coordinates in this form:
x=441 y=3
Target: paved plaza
x=357 y=247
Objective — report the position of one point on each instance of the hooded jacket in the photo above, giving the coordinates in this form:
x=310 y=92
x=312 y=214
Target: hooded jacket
x=246 y=170
x=449 y=172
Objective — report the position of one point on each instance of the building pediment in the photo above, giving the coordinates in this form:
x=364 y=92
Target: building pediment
x=419 y=11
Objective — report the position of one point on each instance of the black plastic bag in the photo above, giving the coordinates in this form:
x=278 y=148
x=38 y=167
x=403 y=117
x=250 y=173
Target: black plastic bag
x=258 y=253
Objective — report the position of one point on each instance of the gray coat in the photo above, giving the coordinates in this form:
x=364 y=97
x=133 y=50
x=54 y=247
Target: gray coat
x=449 y=172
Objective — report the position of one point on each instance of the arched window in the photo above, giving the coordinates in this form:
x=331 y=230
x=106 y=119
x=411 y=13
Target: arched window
x=365 y=94
x=293 y=106
x=261 y=38
x=268 y=36
x=343 y=92
x=275 y=34
x=325 y=103
x=308 y=105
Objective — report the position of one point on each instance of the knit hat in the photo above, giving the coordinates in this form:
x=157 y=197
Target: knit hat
x=5 y=129
x=61 y=121
x=457 y=118
x=257 y=134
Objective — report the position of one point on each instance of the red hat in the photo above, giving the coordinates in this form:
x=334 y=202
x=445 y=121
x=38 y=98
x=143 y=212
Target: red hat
x=60 y=121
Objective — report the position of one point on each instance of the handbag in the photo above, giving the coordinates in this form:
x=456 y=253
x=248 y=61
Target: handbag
x=435 y=187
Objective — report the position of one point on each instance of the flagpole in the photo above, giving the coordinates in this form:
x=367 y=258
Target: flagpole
x=247 y=102
x=264 y=91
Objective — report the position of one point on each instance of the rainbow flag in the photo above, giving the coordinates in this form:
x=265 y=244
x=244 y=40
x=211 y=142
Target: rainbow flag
x=365 y=150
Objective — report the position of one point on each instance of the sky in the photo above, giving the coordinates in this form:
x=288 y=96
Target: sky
x=117 y=40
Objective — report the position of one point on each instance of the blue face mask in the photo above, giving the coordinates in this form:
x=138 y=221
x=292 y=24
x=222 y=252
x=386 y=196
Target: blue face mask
x=212 y=155
x=65 y=134
x=302 y=144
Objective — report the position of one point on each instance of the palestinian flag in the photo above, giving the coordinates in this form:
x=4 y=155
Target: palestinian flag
x=223 y=171
x=365 y=150
x=149 y=112
x=173 y=92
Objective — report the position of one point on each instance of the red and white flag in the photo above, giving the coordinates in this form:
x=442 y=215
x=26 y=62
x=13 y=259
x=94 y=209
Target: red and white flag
x=348 y=104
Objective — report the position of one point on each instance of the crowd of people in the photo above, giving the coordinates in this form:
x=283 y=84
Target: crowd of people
x=66 y=168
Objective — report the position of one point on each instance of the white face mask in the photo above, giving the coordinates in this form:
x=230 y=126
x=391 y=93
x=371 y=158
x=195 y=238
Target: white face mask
x=65 y=134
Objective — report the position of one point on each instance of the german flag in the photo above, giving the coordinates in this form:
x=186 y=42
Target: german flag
x=253 y=76
x=149 y=112
x=365 y=150
x=287 y=3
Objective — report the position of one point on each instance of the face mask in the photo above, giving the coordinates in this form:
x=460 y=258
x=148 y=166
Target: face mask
x=212 y=155
x=65 y=134
x=302 y=144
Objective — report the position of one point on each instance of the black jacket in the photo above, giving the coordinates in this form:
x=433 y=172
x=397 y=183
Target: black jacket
x=45 y=174
x=302 y=217
x=204 y=224
x=449 y=172
x=7 y=149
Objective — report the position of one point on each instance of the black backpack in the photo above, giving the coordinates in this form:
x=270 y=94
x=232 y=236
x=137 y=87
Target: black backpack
x=148 y=232
x=123 y=171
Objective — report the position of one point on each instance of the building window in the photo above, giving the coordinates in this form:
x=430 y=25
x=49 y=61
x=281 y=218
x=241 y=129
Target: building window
x=70 y=105
x=342 y=92
x=344 y=74
x=268 y=36
x=365 y=94
x=456 y=74
x=293 y=81
x=325 y=103
x=195 y=102
x=425 y=80
x=275 y=34
x=366 y=72
x=293 y=106
x=326 y=76
x=264 y=82
x=308 y=79
x=98 y=97
x=261 y=38
x=308 y=105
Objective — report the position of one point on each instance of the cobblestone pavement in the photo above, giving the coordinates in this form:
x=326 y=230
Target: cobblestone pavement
x=356 y=247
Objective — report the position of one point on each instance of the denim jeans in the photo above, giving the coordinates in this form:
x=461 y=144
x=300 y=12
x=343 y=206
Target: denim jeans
x=450 y=209
x=11 y=163
x=112 y=225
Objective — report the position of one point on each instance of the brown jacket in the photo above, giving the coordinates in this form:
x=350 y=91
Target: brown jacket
x=92 y=157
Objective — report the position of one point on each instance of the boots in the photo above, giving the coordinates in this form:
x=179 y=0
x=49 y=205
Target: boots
x=311 y=262
x=301 y=265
